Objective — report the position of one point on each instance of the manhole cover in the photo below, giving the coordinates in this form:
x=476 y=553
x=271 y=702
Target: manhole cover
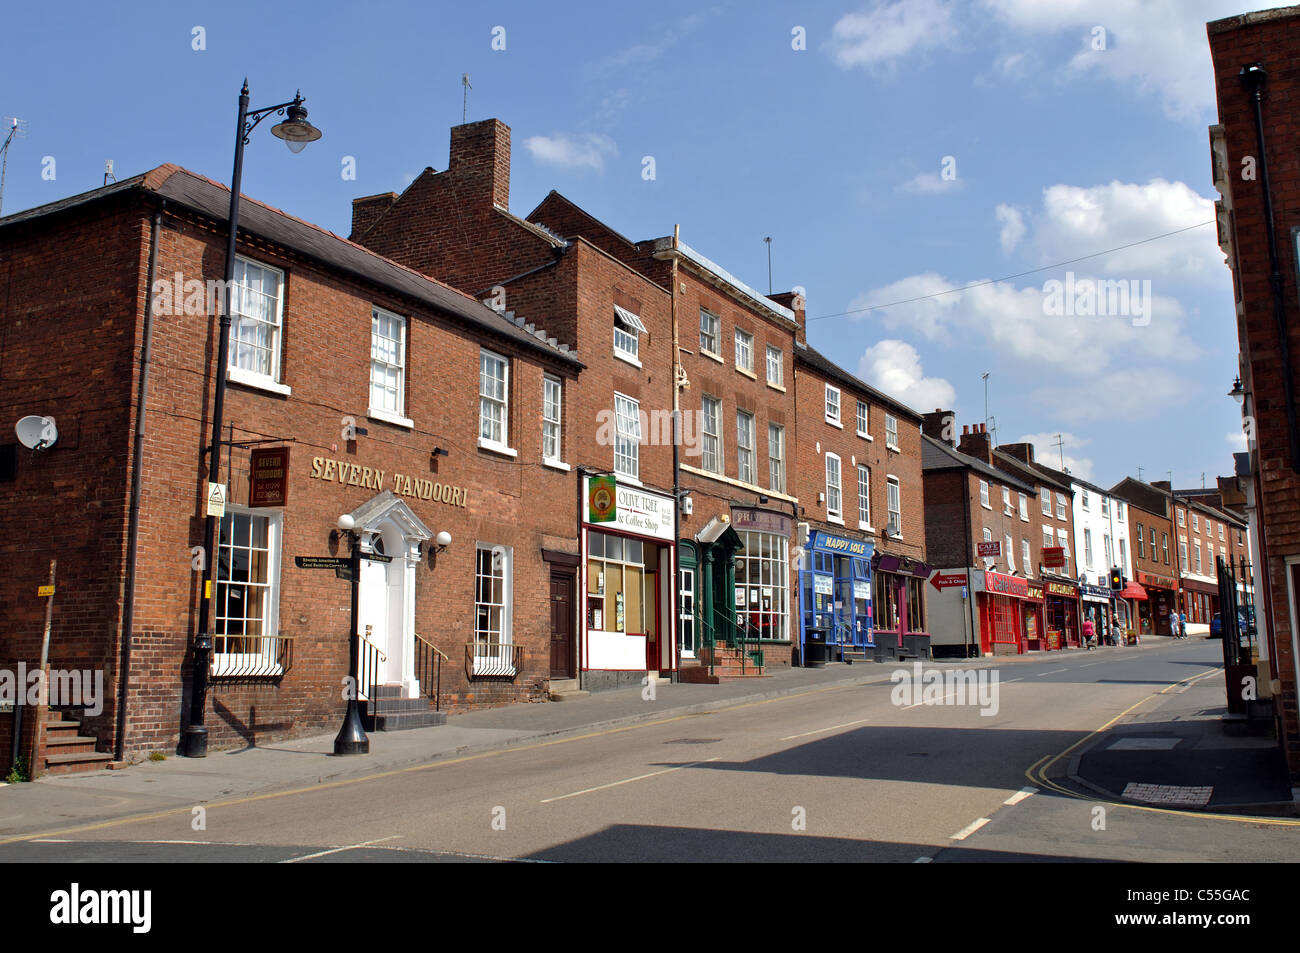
x=1168 y=794
x=1143 y=744
x=693 y=741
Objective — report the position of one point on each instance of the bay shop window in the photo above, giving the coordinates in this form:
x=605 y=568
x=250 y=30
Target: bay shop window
x=621 y=580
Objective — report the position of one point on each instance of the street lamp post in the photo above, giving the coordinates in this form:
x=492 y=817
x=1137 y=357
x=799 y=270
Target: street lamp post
x=296 y=131
x=351 y=738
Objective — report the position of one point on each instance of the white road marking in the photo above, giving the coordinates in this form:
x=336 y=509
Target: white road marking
x=335 y=850
x=1020 y=679
x=818 y=731
x=1053 y=672
x=923 y=860
x=614 y=784
x=970 y=829
x=939 y=702
x=1020 y=796
x=1091 y=664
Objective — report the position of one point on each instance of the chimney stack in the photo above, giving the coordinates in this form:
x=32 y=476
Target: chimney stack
x=479 y=161
x=368 y=210
x=798 y=304
x=975 y=443
x=1024 y=452
x=942 y=426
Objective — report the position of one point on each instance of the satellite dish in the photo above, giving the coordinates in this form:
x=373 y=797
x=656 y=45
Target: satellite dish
x=36 y=432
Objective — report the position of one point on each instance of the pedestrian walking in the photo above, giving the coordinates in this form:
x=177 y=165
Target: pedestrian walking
x=1116 y=636
x=1089 y=634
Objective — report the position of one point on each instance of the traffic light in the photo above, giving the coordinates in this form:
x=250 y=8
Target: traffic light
x=1116 y=580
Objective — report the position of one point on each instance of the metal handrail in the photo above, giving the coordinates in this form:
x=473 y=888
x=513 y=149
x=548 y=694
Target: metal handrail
x=368 y=658
x=423 y=662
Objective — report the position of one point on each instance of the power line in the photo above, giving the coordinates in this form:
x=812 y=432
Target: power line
x=993 y=281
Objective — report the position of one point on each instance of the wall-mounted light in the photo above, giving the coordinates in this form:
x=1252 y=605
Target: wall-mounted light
x=1238 y=393
x=346 y=528
x=437 y=452
x=443 y=540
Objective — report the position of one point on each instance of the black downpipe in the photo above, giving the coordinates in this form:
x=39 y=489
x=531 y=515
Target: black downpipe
x=1253 y=78
x=133 y=520
x=970 y=588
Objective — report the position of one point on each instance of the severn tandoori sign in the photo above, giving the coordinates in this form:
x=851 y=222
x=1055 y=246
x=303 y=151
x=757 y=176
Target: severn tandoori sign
x=370 y=478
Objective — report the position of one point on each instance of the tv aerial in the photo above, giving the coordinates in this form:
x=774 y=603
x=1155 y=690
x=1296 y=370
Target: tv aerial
x=36 y=432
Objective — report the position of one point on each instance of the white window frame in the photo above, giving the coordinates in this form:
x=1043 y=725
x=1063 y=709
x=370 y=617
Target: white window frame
x=1047 y=501
x=833 y=419
x=745 y=438
x=491 y=441
x=1198 y=556
x=776 y=457
x=714 y=331
x=775 y=360
x=1024 y=508
x=1087 y=548
x=1196 y=522
x=1182 y=517
x=745 y=348
x=1011 y=557
x=1064 y=542
x=1085 y=501
x=834 y=500
x=1060 y=506
x=627 y=438
x=231 y=663
x=891 y=432
x=498 y=660
x=1026 y=557
x=894 y=503
x=628 y=329
x=864 y=498
x=1048 y=539
x=715 y=435
x=552 y=418
x=864 y=420
x=380 y=364
x=984 y=495
x=1006 y=501
x=241 y=319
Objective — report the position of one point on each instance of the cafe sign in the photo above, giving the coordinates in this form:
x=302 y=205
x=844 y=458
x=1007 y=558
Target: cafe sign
x=636 y=511
x=1062 y=589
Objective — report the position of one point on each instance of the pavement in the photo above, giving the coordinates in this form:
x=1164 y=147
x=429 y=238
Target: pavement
x=1182 y=749
x=1191 y=750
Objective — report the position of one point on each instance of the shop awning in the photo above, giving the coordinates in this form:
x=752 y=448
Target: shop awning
x=1133 y=591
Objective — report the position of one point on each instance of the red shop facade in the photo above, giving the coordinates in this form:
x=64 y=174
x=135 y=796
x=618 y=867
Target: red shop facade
x=1162 y=596
x=998 y=599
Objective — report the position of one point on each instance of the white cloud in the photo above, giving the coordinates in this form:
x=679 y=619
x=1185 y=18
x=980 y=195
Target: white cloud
x=876 y=37
x=1048 y=453
x=1158 y=47
x=1140 y=393
x=894 y=367
x=584 y=150
x=928 y=183
x=1013 y=226
x=1237 y=441
x=1075 y=220
x=1014 y=321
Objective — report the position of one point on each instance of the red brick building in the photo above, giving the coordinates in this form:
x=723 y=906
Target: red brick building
x=1258 y=217
x=379 y=382
x=1001 y=501
x=1155 y=552
x=859 y=481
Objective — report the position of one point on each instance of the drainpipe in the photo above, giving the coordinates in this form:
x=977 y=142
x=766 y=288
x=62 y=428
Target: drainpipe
x=677 y=471
x=1253 y=78
x=133 y=520
x=970 y=586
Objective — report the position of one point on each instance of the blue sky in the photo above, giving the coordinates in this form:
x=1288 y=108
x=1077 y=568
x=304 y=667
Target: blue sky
x=1066 y=128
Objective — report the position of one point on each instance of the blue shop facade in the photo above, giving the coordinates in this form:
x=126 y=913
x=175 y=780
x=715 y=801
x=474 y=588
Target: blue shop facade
x=860 y=602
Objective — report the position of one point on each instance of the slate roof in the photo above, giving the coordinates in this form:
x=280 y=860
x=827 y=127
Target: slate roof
x=937 y=455
x=815 y=359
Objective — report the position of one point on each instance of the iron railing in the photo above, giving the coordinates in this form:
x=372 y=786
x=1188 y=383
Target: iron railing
x=486 y=659
x=428 y=670
x=245 y=657
x=737 y=634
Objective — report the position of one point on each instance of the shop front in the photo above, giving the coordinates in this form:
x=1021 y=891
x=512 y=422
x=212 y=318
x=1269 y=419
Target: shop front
x=628 y=568
x=1031 y=618
x=1162 y=597
x=1200 y=600
x=762 y=582
x=898 y=611
x=1097 y=605
x=836 y=595
x=1061 y=614
x=998 y=600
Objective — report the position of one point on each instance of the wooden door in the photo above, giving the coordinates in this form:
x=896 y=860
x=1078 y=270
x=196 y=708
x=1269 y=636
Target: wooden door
x=561 y=625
